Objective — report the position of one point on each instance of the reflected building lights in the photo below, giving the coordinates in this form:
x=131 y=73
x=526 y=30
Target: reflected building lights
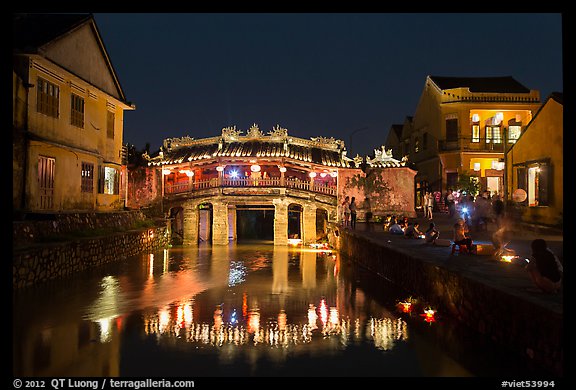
x=105 y=325
x=165 y=261
x=151 y=265
x=323 y=312
x=312 y=317
x=384 y=332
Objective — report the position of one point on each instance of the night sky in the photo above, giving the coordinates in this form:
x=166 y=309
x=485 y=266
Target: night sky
x=344 y=75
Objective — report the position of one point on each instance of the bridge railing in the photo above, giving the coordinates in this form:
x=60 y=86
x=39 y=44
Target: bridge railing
x=250 y=182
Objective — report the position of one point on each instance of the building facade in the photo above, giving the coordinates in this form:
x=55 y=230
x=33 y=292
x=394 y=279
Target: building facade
x=535 y=166
x=462 y=126
x=68 y=117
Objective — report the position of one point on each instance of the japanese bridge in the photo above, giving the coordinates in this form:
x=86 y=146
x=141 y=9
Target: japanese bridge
x=255 y=186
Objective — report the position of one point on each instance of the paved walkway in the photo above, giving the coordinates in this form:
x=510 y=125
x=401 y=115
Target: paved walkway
x=511 y=278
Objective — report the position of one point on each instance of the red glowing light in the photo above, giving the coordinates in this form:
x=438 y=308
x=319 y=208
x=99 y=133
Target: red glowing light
x=429 y=315
x=406 y=307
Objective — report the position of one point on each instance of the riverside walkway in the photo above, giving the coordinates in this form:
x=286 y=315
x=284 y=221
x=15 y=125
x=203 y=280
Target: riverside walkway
x=508 y=277
x=494 y=297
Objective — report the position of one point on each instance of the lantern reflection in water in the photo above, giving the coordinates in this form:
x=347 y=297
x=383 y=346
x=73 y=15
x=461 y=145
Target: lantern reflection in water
x=407 y=305
x=429 y=315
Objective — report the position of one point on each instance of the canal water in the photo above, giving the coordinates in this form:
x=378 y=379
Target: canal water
x=238 y=311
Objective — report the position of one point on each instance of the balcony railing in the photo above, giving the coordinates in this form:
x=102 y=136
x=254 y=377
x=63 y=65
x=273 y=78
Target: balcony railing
x=320 y=188
x=473 y=144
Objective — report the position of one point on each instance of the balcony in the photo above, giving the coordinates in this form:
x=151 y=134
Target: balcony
x=472 y=145
x=272 y=182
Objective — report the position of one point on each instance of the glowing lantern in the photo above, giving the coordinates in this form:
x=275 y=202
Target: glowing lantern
x=220 y=168
x=323 y=174
x=282 y=169
x=255 y=168
x=429 y=315
x=334 y=174
x=312 y=174
x=507 y=258
x=405 y=307
x=166 y=171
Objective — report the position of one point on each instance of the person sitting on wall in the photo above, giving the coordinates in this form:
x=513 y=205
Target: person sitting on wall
x=395 y=227
x=412 y=231
x=544 y=268
x=432 y=234
x=462 y=234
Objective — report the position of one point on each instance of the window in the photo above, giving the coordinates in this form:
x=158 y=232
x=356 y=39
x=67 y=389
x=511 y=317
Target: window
x=534 y=179
x=110 y=125
x=87 y=184
x=538 y=185
x=493 y=134
x=416 y=145
x=108 y=182
x=77 y=111
x=514 y=131
x=47 y=98
x=452 y=129
x=476 y=132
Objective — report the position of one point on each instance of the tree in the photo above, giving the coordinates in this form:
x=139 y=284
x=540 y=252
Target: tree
x=468 y=183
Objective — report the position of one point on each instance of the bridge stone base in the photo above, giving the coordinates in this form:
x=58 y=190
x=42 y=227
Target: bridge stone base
x=222 y=226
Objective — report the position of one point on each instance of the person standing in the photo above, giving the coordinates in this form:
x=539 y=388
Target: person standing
x=450 y=202
x=429 y=204
x=368 y=213
x=352 y=208
x=498 y=210
x=346 y=211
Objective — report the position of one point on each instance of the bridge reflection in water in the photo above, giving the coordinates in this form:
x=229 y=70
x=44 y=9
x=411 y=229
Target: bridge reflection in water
x=244 y=310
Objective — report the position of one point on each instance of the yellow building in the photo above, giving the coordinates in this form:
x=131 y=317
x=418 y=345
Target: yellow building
x=68 y=116
x=535 y=164
x=462 y=125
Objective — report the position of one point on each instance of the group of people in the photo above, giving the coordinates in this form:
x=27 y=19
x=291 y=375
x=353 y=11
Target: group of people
x=411 y=229
x=544 y=268
x=349 y=211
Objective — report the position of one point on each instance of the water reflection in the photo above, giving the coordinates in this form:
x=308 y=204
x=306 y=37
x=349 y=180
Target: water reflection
x=257 y=310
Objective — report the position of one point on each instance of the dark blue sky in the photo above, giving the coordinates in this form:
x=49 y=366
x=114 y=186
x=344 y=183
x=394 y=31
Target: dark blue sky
x=317 y=74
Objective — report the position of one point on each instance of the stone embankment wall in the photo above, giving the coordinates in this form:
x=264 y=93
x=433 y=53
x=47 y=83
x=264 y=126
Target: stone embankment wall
x=529 y=329
x=34 y=263
x=45 y=226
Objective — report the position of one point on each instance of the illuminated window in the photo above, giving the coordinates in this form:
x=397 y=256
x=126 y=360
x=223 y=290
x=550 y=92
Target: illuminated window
x=110 y=125
x=87 y=183
x=77 y=111
x=475 y=133
x=534 y=179
x=108 y=182
x=47 y=98
x=493 y=134
x=514 y=130
x=416 y=145
x=537 y=185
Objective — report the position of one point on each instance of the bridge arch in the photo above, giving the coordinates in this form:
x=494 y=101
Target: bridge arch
x=221 y=219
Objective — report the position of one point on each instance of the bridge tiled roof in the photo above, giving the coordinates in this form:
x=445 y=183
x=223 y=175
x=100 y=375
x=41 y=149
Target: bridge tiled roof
x=216 y=148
